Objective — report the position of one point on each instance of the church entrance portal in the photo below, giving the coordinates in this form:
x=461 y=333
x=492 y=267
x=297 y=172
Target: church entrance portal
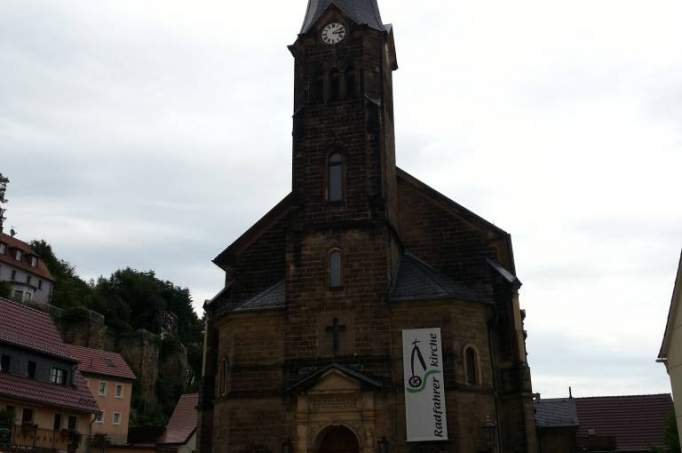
x=338 y=439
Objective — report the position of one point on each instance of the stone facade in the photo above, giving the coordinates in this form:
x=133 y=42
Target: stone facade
x=293 y=360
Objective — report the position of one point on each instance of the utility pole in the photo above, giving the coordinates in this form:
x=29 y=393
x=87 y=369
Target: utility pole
x=3 y=188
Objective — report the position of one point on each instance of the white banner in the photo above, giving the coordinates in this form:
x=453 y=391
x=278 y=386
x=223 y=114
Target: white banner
x=424 y=385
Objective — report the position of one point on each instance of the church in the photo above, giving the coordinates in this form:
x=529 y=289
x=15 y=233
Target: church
x=365 y=312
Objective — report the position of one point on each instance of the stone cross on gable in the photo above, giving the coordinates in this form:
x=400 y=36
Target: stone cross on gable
x=335 y=330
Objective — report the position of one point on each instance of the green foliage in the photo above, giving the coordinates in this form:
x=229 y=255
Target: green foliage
x=5 y=290
x=131 y=300
x=70 y=290
x=7 y=417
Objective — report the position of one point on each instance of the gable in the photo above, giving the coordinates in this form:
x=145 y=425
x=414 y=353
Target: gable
x=256 y=231
x=448 y=236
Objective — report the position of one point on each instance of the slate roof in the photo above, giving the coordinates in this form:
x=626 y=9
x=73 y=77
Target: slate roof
x=416 y=280
x=271 y=298
x=102 y=363
x=556 y=413
x=362 y=12
x=636 y=422
x=32 y=329
x=76 y=397
x=183 y=422
x=13 y=243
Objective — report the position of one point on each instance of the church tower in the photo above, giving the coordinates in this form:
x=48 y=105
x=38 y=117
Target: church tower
x=308 y=346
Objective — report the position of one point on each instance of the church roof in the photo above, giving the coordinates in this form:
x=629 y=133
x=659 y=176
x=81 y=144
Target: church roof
x=362 y=12
x=271 y=298
x=417 y=280
x=556 y=413
x=672 y=314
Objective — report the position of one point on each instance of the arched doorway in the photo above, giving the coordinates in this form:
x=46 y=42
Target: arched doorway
x=338 y=439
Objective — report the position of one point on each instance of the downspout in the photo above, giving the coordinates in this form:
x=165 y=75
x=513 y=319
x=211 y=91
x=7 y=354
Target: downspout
x=493 y=364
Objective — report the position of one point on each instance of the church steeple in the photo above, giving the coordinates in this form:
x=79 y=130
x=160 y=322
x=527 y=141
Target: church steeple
x=343 y=140
x=362 y=12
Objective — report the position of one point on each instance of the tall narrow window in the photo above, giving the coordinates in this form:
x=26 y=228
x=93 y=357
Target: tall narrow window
x=351 y=82
x=317 y=86
x=224 y=376
x=471 y=364
x=335 y=272
x=57 y=422
x=334 y=85
x=335 y=178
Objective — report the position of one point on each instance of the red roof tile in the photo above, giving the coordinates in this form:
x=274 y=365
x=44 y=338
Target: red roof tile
x=636 y=422
x=40 y=270
x=76 y=397
x=183 y=422
x=30 y=328
x=104 y=363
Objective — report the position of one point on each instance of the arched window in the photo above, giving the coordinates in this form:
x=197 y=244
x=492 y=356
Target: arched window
x=335 y=178
x=471 y=366
x=351 y=82
x=224 y=376
x=334 y=85
x=317 y=86
x=335 y=271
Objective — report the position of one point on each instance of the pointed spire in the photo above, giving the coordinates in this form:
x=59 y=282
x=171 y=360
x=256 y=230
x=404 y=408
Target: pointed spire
x=362 y=12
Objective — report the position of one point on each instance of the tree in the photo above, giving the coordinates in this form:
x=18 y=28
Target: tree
x=5 y=290
x=69 y=289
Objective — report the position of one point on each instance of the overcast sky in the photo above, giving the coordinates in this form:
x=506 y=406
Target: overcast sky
x=152 y=133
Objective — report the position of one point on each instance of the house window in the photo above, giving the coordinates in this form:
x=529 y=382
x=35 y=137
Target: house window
x=34 y=261
x=335 y=273
x=29 y=279
x=102 y=388
x=335 y=178
x=27 y=416
x=116 y=420
x=14 y=276
x=58 y=376
x=19 y=255
x=4 y=364
x=40 y=284
x=3 y=249
x=471 y=366
x=18 y=295
x=73 y=423
x=28 y=296
x=99 y=417
x=119 y=391
x=31 y=369
x=57 y=422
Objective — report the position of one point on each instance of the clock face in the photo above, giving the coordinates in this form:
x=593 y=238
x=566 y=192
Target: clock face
x=333 y=33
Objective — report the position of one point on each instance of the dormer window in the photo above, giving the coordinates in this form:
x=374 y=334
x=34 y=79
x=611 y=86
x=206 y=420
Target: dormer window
x=335 y=178
x=34 y=261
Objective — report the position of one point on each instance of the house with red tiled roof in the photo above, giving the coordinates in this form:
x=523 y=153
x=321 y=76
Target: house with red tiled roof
x=110 y=380
x=41 y=384
x=632 y=423
x=24 y=271
x=180 y=435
